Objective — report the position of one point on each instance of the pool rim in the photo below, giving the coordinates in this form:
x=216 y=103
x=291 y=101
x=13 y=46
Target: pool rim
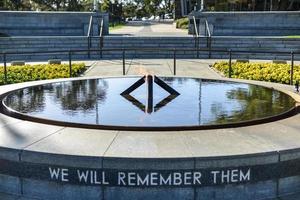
x=4 y=109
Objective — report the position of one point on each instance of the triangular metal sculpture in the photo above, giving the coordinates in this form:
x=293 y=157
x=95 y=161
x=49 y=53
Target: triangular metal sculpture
x=149 y=80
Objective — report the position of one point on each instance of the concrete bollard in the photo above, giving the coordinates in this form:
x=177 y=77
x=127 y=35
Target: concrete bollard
x=17 y=62
x=54 y=62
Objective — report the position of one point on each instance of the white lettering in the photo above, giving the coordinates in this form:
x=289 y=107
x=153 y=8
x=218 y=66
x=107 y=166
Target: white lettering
x=144 y=181
x=104 y=182
x=177 y=178
x=234 y=175
x=164 y=181
x=215 y=175
x=225 y=176
x=96 y=178
x=153 y=178
x=187 y=178
x=82 y=175
x=131 y=178
x=245 y=177
x=54 y=173
x=121 y=177
x=196 y=178
x=64 y=174
x=91 y=177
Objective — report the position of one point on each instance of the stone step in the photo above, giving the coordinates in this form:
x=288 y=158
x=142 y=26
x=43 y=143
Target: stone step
x=73 y=43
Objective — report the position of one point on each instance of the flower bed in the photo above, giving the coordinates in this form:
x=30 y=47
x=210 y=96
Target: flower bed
x=18 y=74
x=271 y=72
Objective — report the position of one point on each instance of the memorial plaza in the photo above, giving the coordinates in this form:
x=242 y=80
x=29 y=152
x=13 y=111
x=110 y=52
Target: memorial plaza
x=109 y=100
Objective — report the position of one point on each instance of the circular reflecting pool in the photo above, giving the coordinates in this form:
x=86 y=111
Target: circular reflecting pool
x=101 y=103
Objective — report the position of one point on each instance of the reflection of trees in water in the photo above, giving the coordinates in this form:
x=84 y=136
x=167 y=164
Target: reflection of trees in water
x=81 y=95
x=27 y=100
x=255 y=102
x=178 y=80
x=75 y=95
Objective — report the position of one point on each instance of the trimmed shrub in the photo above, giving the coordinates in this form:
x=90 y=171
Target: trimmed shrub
x=18 y=74
x=270 y=72
x=182 y=23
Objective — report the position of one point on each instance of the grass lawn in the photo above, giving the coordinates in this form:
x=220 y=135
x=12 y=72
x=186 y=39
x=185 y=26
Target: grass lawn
x=293 y=36
x=116 y=26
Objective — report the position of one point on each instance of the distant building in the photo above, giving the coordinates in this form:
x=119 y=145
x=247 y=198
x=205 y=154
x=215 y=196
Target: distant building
x=184 y=7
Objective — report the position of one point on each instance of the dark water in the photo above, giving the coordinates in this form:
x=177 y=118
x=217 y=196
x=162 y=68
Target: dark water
x=98 y=101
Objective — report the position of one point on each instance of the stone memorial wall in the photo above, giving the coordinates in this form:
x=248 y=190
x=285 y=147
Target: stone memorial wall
x=20 y=23
x=248 y=23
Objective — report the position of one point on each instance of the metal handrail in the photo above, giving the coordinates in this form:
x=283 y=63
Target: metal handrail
x=208 y=39
x=89 y=35
x=123 y=50
x=197 y=39
x=195 y=27
x=101 y=27
x=90 y=26
x=148 y=49
x=207 y=28
x=101 y=36
x=207 y=33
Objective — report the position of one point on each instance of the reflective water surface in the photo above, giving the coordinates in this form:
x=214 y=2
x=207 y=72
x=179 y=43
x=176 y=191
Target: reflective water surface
x=98 y=101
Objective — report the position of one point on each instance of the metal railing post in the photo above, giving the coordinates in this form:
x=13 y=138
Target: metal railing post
x=209 y=48
x=230 y=69
x=70 y=63
x=101 y=37
x=198 y=41
x=5 y=69
x=89 y=36
x=292 y=68
x=207 y=41
x=174 y=65
x=123 y=54
x=195 y=26
x=101 y=46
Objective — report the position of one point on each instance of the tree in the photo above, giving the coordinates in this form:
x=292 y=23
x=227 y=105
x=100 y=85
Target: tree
x=15 y=5
x=105 y=6
x=59 y=5
x=129 y=9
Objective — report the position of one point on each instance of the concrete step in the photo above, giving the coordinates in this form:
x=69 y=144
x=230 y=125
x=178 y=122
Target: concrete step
x=74 y=43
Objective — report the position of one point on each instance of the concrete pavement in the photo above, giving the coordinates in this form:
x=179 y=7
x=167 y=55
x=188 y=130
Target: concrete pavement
x=147 y=28
x=162 y=67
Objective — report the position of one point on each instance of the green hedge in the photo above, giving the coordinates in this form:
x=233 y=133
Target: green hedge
x=271 y=72
x=18 y=74
x=182 y=23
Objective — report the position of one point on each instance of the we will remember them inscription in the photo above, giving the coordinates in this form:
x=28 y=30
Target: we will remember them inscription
x=150 y=178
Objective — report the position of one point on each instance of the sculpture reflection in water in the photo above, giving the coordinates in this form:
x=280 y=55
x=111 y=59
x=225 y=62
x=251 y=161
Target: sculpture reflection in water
x=149 y=81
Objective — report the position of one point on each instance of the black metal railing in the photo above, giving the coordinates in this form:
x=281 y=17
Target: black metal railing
x=90 y=34
x=207 y=34
x=196 y=35
x=174 y=51
x=208 y=37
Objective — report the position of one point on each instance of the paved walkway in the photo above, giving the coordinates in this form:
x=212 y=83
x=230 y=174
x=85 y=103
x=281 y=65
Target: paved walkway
x=165 y=67
x=147 y=28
